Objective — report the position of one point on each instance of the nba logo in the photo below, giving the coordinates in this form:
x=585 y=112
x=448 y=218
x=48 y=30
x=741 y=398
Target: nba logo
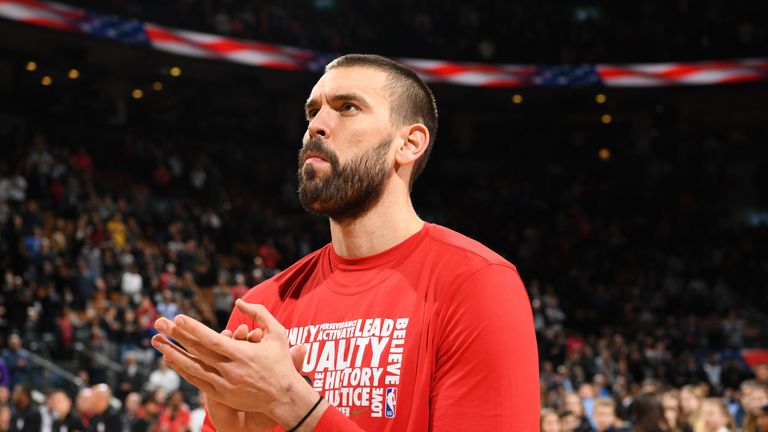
x=391 y=402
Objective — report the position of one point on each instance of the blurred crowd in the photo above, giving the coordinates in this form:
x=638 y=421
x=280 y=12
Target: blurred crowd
x=95 y=409
x=498 y=31
x=90 y=259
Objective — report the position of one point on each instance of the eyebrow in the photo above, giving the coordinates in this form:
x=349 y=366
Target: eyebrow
x=341 y=97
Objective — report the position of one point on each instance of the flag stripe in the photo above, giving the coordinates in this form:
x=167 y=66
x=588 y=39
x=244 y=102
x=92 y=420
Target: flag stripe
x=260 y=54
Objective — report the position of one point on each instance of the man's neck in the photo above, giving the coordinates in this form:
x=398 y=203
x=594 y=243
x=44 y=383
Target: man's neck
x=388 y=224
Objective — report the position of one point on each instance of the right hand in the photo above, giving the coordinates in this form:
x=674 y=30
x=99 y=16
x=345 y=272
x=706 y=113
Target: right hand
x=229 y=419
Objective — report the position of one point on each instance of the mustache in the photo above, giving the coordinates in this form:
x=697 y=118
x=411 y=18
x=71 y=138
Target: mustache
x=316 y=146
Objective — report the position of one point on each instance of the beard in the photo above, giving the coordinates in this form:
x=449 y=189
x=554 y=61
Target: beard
x=349 y=190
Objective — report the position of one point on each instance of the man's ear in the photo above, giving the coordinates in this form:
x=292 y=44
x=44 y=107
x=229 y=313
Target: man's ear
x=415 y=142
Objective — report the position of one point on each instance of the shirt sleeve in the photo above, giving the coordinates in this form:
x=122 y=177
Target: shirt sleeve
x=486 y=372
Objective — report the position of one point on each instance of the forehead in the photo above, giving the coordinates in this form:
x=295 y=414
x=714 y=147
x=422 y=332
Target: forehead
x=367 y=82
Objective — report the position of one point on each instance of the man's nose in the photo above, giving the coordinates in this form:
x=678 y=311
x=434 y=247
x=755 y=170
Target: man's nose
x=319 y=126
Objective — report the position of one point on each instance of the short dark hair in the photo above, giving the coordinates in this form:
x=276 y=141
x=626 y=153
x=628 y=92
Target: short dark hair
x=412 y=100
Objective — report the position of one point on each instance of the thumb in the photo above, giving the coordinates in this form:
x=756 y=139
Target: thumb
x=298 y=353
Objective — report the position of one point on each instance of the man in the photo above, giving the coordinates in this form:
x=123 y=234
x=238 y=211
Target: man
x=605 y=416
x=16 y=359
x=147 y=416
x=131 y=379
x=26 y=416
x=402 y=325
x=105 y=417
x=163 y=377
x=64 y=417
x=84 y=405
x=131 y=407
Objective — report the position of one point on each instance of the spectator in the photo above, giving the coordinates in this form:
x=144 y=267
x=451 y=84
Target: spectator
x=239 y=288
x=131 y=411
x=84 y=405
x=176 y=415
x=756 y=401
x=587 y=395
x=64 y=418
x=26 y=415
x=147 y=416
x=571 y=422
x=5 y=374
x=167 y=306
x=648 y=415
x=762 y=419
x=132 y=284
x=761 y=374
x=5 y=418
x=713 y=417
x=163 y=378
x=745 y=401
x=132 y=378
x=197 y=416
x=105 y=417
x=550 y=421
x=670 y=402
x=690 y=403
x=605 y=416
x=17 y=360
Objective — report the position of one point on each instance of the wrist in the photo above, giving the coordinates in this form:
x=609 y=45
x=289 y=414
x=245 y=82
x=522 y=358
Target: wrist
x=294 y=401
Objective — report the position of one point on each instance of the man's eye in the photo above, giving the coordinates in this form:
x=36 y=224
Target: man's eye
x=349 y=108
x=311 y=114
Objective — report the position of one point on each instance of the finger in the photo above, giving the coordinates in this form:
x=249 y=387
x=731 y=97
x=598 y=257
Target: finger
x=227 y=333
x=261 y=316
x=187 y=365
x=166 y=327
x=298 y=352
x=255 y=335
x=202 y=384
x=198 y=339
x=241 y=332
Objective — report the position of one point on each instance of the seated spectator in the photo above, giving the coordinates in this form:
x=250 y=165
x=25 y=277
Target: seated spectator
x=176 y=415
x=105 y=416
x=146 y=420
x=576 y=420
x=132 y=378
x=756 y=401
x=690 y=403
x=762 y=419
x=5 y=418
x=647 y=414
x=65 y=419
x=164 y=378
x=197 y=416
x=84 y=405
x=16 y=359
x=550 y=421
x=26 y=415
x=713 y=416
x=605 y=416
x=131 y=407
x=670 y=402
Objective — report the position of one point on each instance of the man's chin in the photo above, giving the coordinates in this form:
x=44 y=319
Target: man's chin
x=313 y=172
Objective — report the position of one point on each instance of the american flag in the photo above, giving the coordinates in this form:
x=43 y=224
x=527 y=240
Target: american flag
x=215 y=47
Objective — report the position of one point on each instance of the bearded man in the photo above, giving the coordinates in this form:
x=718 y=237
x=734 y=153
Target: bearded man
x=397 y=324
